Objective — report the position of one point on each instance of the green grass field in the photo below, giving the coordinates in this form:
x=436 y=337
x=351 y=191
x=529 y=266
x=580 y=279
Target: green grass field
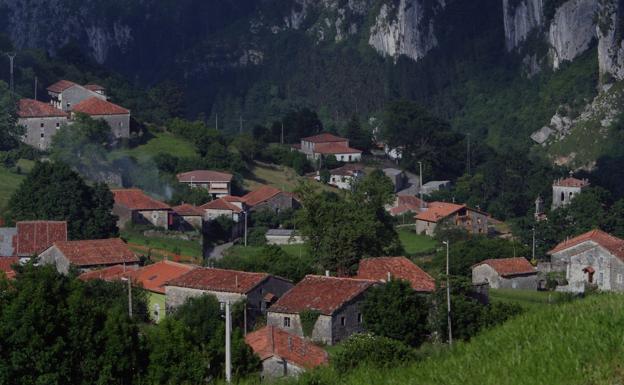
x=175 y=246
x=252 y=251
x=162 y=142
x=414 y=243
x=529 y=299
x=9 y=181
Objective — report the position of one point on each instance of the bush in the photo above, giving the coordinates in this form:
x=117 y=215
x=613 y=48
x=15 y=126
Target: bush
x=257 y=236
x=370 y=349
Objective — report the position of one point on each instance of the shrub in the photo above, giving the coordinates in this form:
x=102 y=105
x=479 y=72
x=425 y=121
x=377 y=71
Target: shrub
x=257 y=236
x=370 y=349
x=308 y=320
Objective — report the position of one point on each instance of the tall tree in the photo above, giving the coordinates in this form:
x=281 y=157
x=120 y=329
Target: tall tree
x=10 y=132
x=359 y=137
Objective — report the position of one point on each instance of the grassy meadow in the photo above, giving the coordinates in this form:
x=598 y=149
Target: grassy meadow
x=415 y=243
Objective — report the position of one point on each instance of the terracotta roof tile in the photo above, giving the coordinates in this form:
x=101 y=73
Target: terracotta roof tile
x=324 y=138
x=199 y=176
x=506 y=267
x=571 y=182
x=438 y=210
x=30 y=108
x=186 y=209
x=335 y=148
x=153 y=277
x=109 y=274
x=348 y=169
x=260 y=195
x=399 y=268
x=613 y=244
x=97 y=106
x=61 y=86
x=6 y=266
x=33 y=237
x=136 y=199
x=271 y=341
x=220 y=204
x=230 y=281
x=324 y=294
x=97 y=252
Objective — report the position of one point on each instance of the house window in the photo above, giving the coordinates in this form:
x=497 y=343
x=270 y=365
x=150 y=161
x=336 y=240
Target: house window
x=600 y=278
x=620 y=279
x=343 y=321
x=41 y=125
x=156 y=312
x=68 y=105
x=42 y=135
x=286 y=322
x=360 y=318
x=349 y=158
x=562 y=197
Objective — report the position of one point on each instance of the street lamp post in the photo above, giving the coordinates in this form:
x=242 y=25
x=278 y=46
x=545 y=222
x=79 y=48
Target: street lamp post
x=448 y=295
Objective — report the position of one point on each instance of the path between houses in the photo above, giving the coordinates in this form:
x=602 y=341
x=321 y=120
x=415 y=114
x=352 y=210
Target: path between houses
x=217 y=252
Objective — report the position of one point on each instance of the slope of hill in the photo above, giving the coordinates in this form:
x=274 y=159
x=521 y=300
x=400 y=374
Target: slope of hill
x=574 y=343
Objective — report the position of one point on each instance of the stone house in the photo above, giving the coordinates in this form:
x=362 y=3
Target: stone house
x=268 y=197
x=30 y=238
x=325 y=144
x=346 y=176
x=451 y=214
x=117 y=117
x=188 y=217
x=398 y=178
x=229 y=206
x=337 y=301
x=384 y=269
x=87 y=255
x=133 y=205
x=41 y=122
x=284 y=354
x=65 y=94
x=218 y=184
x=258 y=290
x=505 y=273
x=594 y=258
x=564 y=190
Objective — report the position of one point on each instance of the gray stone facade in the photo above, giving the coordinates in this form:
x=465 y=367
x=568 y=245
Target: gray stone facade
x=277 y=367
x=158 y=218
x=472 y=221
x=119 y=124
x=277 y=203
x=40 y=131
x=486 y=274
x=72 y=96
x=563 y=195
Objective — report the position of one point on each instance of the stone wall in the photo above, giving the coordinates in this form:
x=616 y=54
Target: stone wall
x=176 y=296
x=158 y=218
x=74 y=95
x=486 y=274
x=608 y=270
x=276 y=367
x=34 y=130
x=559 y=200
x=53 y=256
x=277 y=203
x=119 y=124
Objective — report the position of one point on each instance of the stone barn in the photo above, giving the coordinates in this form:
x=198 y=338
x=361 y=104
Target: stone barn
x=385 y=269
x=336 y=301
x=267 y=197
x=133 y=205
x=505 y=273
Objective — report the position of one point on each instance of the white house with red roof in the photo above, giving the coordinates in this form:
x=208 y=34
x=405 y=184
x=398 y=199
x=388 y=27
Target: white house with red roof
x=345 y=177
x=564 y=190
x=117 y=117
x=218 y=184
x=450 y=214
x=336 y=301
x=134 y=205
x=326 y=144
x=385 y=269
x=505 y=273
x=41 y=122
x=594 y=258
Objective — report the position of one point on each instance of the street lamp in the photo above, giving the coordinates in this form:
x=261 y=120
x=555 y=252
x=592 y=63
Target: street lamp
x=129 y=295
x=448 y=295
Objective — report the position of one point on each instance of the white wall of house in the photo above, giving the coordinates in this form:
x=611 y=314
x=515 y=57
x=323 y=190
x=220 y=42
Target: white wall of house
x=71 y=96
x=40 y=131
x=608 y=269
x=425 y=227
x=355 y=157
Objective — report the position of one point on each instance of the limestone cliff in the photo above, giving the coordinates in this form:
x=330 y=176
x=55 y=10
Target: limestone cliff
x=520 y=19
x=610 y=43
x=572 y=30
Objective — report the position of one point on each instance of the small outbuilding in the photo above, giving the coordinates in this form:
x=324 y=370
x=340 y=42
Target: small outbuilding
x=505 y=273
x=283 y=237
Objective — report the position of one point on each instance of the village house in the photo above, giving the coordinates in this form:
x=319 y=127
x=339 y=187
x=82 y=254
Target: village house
x=451 y=214
x=346 y=176
x=314 y=147
x=505 y=273
x=435 y=185
x=593 y=259
x=6 y=267
x=283 y=237
x=117 y=117
x=284 y=354
x=134 y=206
x=404 y=204
x=229 y=206
x=29 y=238
x=268 y=197
x=108 y=274
x=218 y=184
x=385 y=269
x=188 y=217
x=41 y=122
x=398 y=177
x=65 y=94
x=337 y=301
x=564 y=190
x=259 y=290
x=88 y=254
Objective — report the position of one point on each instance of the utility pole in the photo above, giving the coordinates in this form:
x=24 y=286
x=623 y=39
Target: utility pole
x=282 y=134
x=228 y=353
x=11 y=56
x=468 y=153
x=129 y=296
x=245 y=228
x=533 y=253
x=36 y=80
x=420 y=189
x=240 y=119
x=448 y=296
x=217 y=120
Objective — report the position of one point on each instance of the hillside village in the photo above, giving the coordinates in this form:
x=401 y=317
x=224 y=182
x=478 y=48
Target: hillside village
x=300 y=266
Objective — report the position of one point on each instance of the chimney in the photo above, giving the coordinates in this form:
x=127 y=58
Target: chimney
x=327 y=273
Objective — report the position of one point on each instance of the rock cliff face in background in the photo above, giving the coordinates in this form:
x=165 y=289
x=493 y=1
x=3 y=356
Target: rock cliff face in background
x=610 y=43
x=572 y=30
x=519 y=19
x=405 y=29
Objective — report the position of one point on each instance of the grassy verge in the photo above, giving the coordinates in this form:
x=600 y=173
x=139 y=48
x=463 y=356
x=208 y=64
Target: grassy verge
x=415 y=243
x=162 y=142
x=528 y=299
x=161 y=248
x=9 y=182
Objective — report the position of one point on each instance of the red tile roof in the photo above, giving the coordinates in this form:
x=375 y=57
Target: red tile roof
x=347 y=170
x=30 y=108
x=232 y=198
x=611 y=243
x=506 y=267
x=6 y=264
x=335 y=148
x=438 y=210
x=260 y=195
x=97 y=106
x=324 y=294
x=95 y=252
x=411 y=200
x=61 y=86
x=112 y=273
x=399 y=268
x=324 y=138
x=33 y=237
x=187 y=210
x=220 y=204
x=271 y=341
x=153 y=277
x=199 y=176
x=94 y=87
x=571 y=182
x=136 y=199
x=230 y=281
